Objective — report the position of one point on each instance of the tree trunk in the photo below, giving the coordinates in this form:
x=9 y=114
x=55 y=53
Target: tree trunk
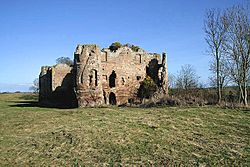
x=244 y=82
x=245 y=87
x=241 y=94
x=245 y=96
x=218 y=76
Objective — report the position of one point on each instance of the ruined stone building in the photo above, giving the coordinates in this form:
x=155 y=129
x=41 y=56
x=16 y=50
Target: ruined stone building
x=101 y=77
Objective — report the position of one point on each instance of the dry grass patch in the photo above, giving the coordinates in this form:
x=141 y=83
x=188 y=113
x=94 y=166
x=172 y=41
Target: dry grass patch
x=31 y=135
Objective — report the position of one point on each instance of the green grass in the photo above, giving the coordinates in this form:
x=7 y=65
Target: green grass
x=35 y=136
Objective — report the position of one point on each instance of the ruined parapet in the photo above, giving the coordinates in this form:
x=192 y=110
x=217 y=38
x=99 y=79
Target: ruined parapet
x=87 y=67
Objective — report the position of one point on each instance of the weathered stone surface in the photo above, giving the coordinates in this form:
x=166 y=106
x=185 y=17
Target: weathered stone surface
x=56 y=85
x=88 y=66
x=45 y=83
x=103 y=77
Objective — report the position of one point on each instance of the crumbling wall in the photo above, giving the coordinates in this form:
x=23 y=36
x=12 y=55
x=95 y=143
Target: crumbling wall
x=61 y=77
x=56 y=86
x=163 y=75
x=102 y=77
x=130 y=69
x=45 y=84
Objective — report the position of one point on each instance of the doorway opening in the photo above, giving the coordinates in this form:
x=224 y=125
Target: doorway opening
x=112 y=99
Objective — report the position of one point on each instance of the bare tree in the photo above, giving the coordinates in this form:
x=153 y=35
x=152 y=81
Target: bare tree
x=187 y=77
x=224 y=74
x=238 y=48
x=171 y=80
x=216 y=28
x=35 y=87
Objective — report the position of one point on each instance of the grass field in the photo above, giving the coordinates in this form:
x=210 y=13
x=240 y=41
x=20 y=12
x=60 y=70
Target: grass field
x=36 y=136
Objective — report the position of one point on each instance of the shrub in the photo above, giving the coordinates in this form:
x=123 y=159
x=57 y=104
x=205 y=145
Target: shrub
x=114 y=46
x=147 y=88
x=135 y=48
x=128 y=45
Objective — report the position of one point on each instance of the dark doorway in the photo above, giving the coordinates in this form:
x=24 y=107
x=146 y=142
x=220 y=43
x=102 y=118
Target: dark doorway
x=112 y=99
x=112 y=78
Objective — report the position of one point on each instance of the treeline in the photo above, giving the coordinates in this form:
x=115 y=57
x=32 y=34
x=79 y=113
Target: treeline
x=227 y=34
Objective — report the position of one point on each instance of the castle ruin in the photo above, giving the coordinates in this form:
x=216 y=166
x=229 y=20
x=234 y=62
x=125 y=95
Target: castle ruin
x=102 y=77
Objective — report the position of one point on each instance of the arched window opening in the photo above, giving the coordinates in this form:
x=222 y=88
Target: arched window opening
x=95 y=72
x=93 y=78
x=112 y=78
x=138 y=58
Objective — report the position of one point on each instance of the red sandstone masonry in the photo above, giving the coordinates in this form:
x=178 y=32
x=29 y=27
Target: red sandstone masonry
x=103 y=77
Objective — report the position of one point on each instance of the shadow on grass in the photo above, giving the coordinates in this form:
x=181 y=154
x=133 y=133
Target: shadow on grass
x=31 y=100
x=28 y=103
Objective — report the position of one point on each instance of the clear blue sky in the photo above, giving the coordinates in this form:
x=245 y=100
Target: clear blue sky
x=36 y=32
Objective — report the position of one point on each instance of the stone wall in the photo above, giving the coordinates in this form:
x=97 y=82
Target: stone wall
x=129 y=68
x=56 y=85
x=45 y=84
x=61 y=77
x=102 y=77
